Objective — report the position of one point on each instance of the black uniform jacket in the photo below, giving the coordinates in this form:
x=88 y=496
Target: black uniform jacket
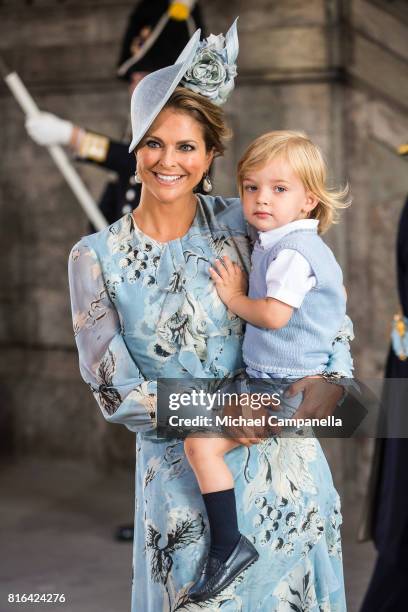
x=121 y=194
x=388 y=490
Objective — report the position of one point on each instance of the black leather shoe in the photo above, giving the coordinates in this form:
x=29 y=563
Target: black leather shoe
x=217 y=575
x=211 y=565
x=124 y=533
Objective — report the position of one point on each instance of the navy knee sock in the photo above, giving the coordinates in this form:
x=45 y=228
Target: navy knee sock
x=222 y=516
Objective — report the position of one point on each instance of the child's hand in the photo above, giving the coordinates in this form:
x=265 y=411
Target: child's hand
x=230 y=280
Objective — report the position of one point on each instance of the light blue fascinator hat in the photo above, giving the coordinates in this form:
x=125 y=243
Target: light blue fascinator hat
x=206 y=67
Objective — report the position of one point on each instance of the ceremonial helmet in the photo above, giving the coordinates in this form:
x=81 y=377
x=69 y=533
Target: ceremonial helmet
x=157 y=32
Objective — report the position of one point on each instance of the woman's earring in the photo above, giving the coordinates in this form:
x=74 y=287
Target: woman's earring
x=207 y=184
x=137 y=178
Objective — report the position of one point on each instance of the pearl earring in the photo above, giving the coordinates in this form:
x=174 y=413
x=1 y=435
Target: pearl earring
x=207 y=184
x=137 y=178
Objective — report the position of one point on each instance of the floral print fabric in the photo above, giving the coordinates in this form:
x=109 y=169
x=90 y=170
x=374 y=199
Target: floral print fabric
x=144 y=310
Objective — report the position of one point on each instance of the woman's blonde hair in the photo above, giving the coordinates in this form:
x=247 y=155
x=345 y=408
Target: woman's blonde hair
x=208 y=115
x=306 y=160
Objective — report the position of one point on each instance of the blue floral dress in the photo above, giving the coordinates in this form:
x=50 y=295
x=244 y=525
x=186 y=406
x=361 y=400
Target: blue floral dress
x=143 y=310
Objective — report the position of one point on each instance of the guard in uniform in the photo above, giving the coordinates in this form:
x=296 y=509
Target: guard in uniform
x=387 y=516
x=157 y=32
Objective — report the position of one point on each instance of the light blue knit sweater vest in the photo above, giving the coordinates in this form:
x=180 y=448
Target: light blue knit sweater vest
x=304 y=345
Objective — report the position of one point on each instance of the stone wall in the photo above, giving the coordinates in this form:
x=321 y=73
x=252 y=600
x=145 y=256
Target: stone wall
x=375 y=121
x=334 y=69
x=66 y=54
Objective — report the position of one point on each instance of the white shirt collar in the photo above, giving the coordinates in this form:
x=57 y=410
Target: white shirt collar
x=271 y=237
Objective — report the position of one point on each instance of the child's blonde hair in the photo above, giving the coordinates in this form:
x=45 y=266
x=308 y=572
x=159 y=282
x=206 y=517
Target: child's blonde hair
x=307 y=162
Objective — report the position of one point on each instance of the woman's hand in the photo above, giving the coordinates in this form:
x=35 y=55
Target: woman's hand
x=247 y=434
x=320 y=397
x=230 y=280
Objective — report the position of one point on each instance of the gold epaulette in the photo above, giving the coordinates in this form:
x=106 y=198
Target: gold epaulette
x=400 y=326
x=94 y=147
x=179 y=11
x=403 y=149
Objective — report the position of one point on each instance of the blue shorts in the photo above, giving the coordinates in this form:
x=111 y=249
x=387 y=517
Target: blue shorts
x=273 y=383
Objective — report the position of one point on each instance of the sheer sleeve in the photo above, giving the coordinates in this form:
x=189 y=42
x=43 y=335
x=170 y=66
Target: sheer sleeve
x=340 y=362
x=122 y=392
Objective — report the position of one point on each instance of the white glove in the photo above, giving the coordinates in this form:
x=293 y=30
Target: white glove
x=47 y=129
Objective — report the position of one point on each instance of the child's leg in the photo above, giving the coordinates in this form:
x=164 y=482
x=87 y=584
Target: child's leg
x=206 y=457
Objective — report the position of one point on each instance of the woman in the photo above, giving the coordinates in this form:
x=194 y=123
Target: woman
x=144 y=307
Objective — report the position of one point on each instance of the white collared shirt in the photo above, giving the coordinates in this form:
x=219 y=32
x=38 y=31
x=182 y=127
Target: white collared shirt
x=289 y=277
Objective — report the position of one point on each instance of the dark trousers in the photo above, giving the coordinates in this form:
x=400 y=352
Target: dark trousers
x=387 y=591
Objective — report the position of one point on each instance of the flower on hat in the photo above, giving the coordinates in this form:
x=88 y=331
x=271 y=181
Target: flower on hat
x=213 y=69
